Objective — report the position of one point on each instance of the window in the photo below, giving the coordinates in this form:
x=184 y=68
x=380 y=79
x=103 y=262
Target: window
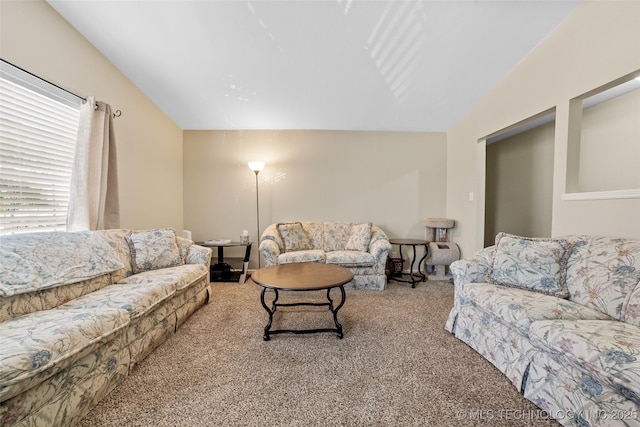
x=38 y=127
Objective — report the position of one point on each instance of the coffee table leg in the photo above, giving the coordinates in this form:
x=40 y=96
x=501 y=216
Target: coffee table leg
x=269 y=310
x=335 y=312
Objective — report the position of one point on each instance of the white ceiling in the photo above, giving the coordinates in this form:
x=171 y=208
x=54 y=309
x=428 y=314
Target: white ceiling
x=323 y=64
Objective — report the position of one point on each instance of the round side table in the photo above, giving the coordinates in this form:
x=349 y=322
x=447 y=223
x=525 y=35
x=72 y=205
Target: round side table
x=413 y=277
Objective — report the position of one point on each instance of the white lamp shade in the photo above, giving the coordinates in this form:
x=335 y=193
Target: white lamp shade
x=256 y=166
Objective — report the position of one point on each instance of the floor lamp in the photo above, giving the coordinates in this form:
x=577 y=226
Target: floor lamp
x=256 y=167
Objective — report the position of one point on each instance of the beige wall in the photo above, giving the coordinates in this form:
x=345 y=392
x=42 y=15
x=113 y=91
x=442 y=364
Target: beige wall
x=519 y=184
x=608 y=161
x=393 y=179
x=597 y=44
x=34 y=37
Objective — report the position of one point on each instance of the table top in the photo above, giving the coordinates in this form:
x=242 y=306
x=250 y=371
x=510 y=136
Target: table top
x=302 y=276
x=408 y=242
x=214 y=244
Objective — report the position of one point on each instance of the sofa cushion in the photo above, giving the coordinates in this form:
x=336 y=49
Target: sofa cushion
x=36 y=346
x=181 y=277
x=350 y=258
x=608 y=351
x=530 y=263
x=117 y=239
x=314 y=231
x=359 y=238
x=136 y=299
x=602 y=273
x=183 y=247
x=21 y=304
x=518 y=308
x=293 y=236
x=314 y=255
x=335 y=234
x=36 y=261
x=632 y=310
x=154 y=249
x=198 y=255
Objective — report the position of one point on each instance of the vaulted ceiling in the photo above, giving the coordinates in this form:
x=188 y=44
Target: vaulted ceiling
x=323 y=64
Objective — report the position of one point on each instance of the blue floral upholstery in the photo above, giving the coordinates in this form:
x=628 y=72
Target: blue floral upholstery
x=518 y=308
x=66 y=343
x=536 y=264
x=293 y=237
x=465 y=271
x=576 y=358
x=37 y=261
x=335 y=235
x=334 y=243
x=555 y=386
x=351 y=258
x=608 y=351
x=180 y=277
x=69 y=394
x=509 y=355
x=359 y=237
x=602 y=273
x=313 y=255
x=154 y=249
x=117 y=239
x=21 y=304
x=137 y=300
x=43 y=343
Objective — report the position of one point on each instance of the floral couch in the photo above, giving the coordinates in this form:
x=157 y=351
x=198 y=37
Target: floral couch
x=561 y=319
x=79 y=310
x=360 y=247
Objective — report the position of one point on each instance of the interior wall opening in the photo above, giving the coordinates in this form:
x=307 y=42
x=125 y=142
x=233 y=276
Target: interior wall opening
x=519 y=179
x=604 y=131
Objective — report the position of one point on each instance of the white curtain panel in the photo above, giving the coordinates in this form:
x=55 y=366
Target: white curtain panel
x=93 y=195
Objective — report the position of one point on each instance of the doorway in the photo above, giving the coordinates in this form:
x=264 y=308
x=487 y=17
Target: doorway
x=519 y=179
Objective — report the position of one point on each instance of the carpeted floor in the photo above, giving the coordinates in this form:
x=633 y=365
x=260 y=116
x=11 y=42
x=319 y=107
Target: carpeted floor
x=396 y=366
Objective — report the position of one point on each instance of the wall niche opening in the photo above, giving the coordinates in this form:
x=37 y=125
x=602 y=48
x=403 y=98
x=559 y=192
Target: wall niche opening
x=604 y=142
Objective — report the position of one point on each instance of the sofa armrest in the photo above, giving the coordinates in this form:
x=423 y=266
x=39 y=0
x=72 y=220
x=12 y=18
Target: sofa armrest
x=269 y=251
x=465 y=271
x=271 y=233
x=271 y=245
x=379 y=246
x=198 y=255
x=472 y=270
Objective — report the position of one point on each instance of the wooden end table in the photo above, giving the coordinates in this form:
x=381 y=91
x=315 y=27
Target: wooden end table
x=301 y=277
x=413 y=277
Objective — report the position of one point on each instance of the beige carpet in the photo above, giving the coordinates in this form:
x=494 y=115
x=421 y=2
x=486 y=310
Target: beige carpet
x=396 y=366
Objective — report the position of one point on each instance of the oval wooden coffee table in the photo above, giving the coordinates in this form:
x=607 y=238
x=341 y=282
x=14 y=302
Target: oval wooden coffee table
x=300 y=277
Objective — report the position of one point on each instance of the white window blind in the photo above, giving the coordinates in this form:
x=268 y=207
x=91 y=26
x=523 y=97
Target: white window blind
x=38 y=127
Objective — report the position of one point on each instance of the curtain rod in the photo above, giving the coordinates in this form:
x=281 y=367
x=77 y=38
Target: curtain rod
x=117 y=113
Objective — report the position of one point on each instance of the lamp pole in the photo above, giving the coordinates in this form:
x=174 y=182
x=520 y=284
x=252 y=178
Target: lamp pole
x=256 y=167
x=257 y=215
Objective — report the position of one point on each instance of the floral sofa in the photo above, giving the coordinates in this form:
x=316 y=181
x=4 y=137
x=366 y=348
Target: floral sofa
x=360 y=247
x=79 y=310
x=561 y=319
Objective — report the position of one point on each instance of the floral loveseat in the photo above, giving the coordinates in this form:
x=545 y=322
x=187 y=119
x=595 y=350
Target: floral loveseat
x=79 y=310
x=360 y=247
x=561 y=319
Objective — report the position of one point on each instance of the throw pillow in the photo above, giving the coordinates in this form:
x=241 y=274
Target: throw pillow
x=293 y=237
x=183 y=247
x=535 y=264
x=154 y=249
x=360 y=237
